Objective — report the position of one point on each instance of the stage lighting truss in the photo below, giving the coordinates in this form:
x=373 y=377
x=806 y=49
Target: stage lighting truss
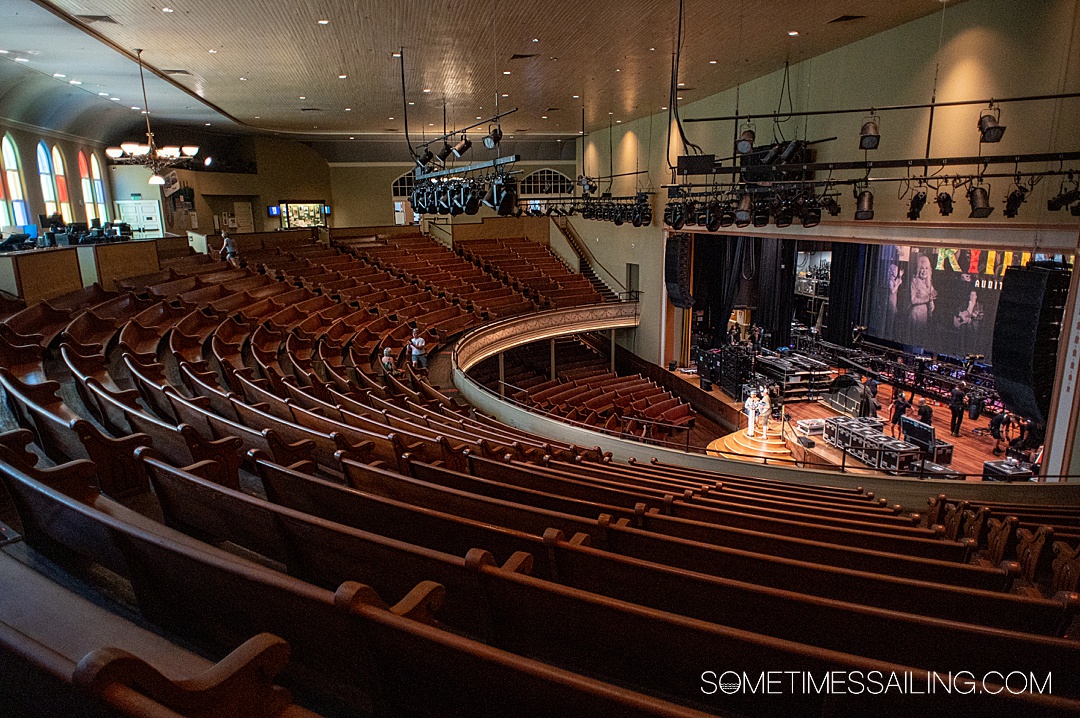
x=743 y=205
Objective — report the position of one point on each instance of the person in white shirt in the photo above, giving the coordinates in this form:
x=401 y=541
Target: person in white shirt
x=419 y=350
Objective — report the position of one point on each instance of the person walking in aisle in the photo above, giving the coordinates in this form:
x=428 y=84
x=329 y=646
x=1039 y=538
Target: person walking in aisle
x=926 y=412
x=957 y=404
x=899 y=409
x=419 y=350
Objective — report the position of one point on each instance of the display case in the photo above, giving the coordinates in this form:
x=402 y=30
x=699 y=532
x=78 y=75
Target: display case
x=303 y=213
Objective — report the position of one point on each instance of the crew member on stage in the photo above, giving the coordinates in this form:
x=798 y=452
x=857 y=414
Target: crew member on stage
x=957 y=403
x=926 y=412
x=900 y=406
x=755 y=337
x=1000 y=428
x=734 y=335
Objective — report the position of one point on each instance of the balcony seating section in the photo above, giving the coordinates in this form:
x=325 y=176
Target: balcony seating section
x=412 y=556
x=531 y=265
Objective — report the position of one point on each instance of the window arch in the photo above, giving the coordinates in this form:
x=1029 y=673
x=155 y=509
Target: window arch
x=403 y=185
x=45 y=173
x=87 y=189
x=99 y=189
x=546 y=181
x=11 y=187
x=60 y=177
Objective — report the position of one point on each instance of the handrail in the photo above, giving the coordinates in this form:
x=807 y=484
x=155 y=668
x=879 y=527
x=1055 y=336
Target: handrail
x=564 y=225
x=448 y=233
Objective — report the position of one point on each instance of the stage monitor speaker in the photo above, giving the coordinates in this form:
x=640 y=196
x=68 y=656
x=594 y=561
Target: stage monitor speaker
x=806 y=441
x=1026 y=331
x=706 y=384
x=677 y=270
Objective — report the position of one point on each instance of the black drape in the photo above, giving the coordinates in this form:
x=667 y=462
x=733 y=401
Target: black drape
x=845 y=291
x=717 y=275
x=776 y=289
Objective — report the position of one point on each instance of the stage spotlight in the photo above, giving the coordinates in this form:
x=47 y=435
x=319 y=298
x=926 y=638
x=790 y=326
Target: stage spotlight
x=472 y=204
x=830 y=205
x=869 y=135
x=812 y=217
x=712 y=216
x=760 y=216
x=990 y=127
x=494 y=136
x=744 y=211
x=690 y=213
x=727 y=214
x=782 y=214
x=444 y=151
x=1012 y=203
x=489 y=196
x=425 y=159
x=918 y=201
x=773 y=153
x=462 y=147
x=789 y=151
x=745 y=144
x=1063 y=199
x=944 y=202
x=864 y=205
x=980 y=202
x=509 y=197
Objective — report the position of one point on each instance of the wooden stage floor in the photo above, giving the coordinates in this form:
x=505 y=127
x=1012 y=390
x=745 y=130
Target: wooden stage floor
x=969 y=451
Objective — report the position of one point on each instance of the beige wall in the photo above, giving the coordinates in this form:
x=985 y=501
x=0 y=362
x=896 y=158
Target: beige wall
x=989 y=48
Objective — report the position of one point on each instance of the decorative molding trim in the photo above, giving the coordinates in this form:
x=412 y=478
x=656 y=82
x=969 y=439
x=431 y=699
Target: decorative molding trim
x=496 y=337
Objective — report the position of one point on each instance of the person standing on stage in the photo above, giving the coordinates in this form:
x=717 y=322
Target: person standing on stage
x=755 y=337
x=899 y=409
x=926 y=412
x=753 y=408
x=957 y=404
x=734 y=336
x=1000 y=428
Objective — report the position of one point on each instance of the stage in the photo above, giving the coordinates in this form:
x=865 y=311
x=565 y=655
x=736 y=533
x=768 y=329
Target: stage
x=969 y=450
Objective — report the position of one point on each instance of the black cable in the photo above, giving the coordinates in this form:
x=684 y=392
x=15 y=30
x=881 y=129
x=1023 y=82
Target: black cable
x=405 y=104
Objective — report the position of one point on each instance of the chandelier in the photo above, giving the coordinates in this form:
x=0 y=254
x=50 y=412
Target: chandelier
x=156 y=159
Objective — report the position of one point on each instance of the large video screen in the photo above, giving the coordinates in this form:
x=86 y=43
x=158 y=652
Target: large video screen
x=943 y=300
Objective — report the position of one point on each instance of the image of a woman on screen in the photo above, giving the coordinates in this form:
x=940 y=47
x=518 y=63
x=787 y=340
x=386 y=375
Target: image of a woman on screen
x=923 y=295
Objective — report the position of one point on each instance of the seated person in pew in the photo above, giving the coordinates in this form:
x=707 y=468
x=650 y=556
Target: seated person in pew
x=386 y=362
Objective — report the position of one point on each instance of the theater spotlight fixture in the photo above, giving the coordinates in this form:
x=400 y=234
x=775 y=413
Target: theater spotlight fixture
x=808 y=211
x=462 y=147
x=727 y=214
x=494 y=136
x=1063 y=199
x=830 y=205
x=745 y=144
x=760 y=215
x=980 y=202
x=425 y=159
x=773 y=153
x=918 y=201
x=864 y=204
x=744 y=211
x=869 y=135
x=990 y=127
x=944 y=202
x=782 y=212
x=1012 y=203
x=444 y=151
x=712 y=216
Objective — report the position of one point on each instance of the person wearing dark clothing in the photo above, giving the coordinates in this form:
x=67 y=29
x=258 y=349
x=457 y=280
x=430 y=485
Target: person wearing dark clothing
x=926 y=412
x=957 y=404
x=899 y=409
x=1000 y=428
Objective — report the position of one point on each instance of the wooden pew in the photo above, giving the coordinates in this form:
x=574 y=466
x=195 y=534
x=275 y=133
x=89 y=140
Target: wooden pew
x=69 y=656
x=363 y=649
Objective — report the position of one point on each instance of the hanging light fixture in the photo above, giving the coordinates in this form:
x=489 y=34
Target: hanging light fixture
x=944 y=202
x=744 y=211
x=494 y=136
x=918 y=201
x=1012 y=203
x=444 y=151
x=980 y=202
x=149 y=155
x=463 y=146
x=864 y=204
x=869 y=135
x=745 y=144
x=990 y=127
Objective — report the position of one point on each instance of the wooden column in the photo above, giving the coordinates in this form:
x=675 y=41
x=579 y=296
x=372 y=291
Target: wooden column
x=612 y=332
x=553 y=358
x=502 y=375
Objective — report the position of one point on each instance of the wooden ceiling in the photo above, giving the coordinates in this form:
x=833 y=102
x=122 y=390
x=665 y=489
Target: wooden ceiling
x=273 y=66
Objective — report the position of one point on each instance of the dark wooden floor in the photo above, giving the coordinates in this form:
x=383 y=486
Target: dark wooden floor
x=969 y=451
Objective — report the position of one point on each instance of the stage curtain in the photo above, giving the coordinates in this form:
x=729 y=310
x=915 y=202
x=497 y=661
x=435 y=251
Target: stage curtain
x=776 y=289
x=717 y=275
x=845 y=291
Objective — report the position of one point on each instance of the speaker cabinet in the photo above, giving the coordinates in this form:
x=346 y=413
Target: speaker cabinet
x=677 y=270
x=1026 y=330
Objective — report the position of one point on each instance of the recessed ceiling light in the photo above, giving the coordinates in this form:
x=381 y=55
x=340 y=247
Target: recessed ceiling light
x=712 y=62
x=213 y=52
x=536 y=39
x=135 y=108
x=577 y=97
x=663 y=107
x=543 y=117
x=678 y=98
x=302 y=97
x=257 y=117
x=167 y=9
x=618 y=122
x=74 y=82
x=5 y=52
x=651 y=49
x=207 y=124
x=353 y=138
x=618 y=70
x=115 y=99
x=243 y=79
x=411 y=103
x=505 y=95
x=427 y=89
x=324 y=22
x=22 y=59
x=682 y=84
x=479 y=117
x=389 y=118
x=611 y=113
x=103 y=94
x=431 y=124
x=395 y=54
x=57 y=74
x=342 y=76
x=793 y=33
x=348 y=109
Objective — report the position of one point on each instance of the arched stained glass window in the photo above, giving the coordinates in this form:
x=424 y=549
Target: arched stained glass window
x=14 y=200
x=60 y=177
x=45 y=173
x=87 y=189
x=99 y=189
